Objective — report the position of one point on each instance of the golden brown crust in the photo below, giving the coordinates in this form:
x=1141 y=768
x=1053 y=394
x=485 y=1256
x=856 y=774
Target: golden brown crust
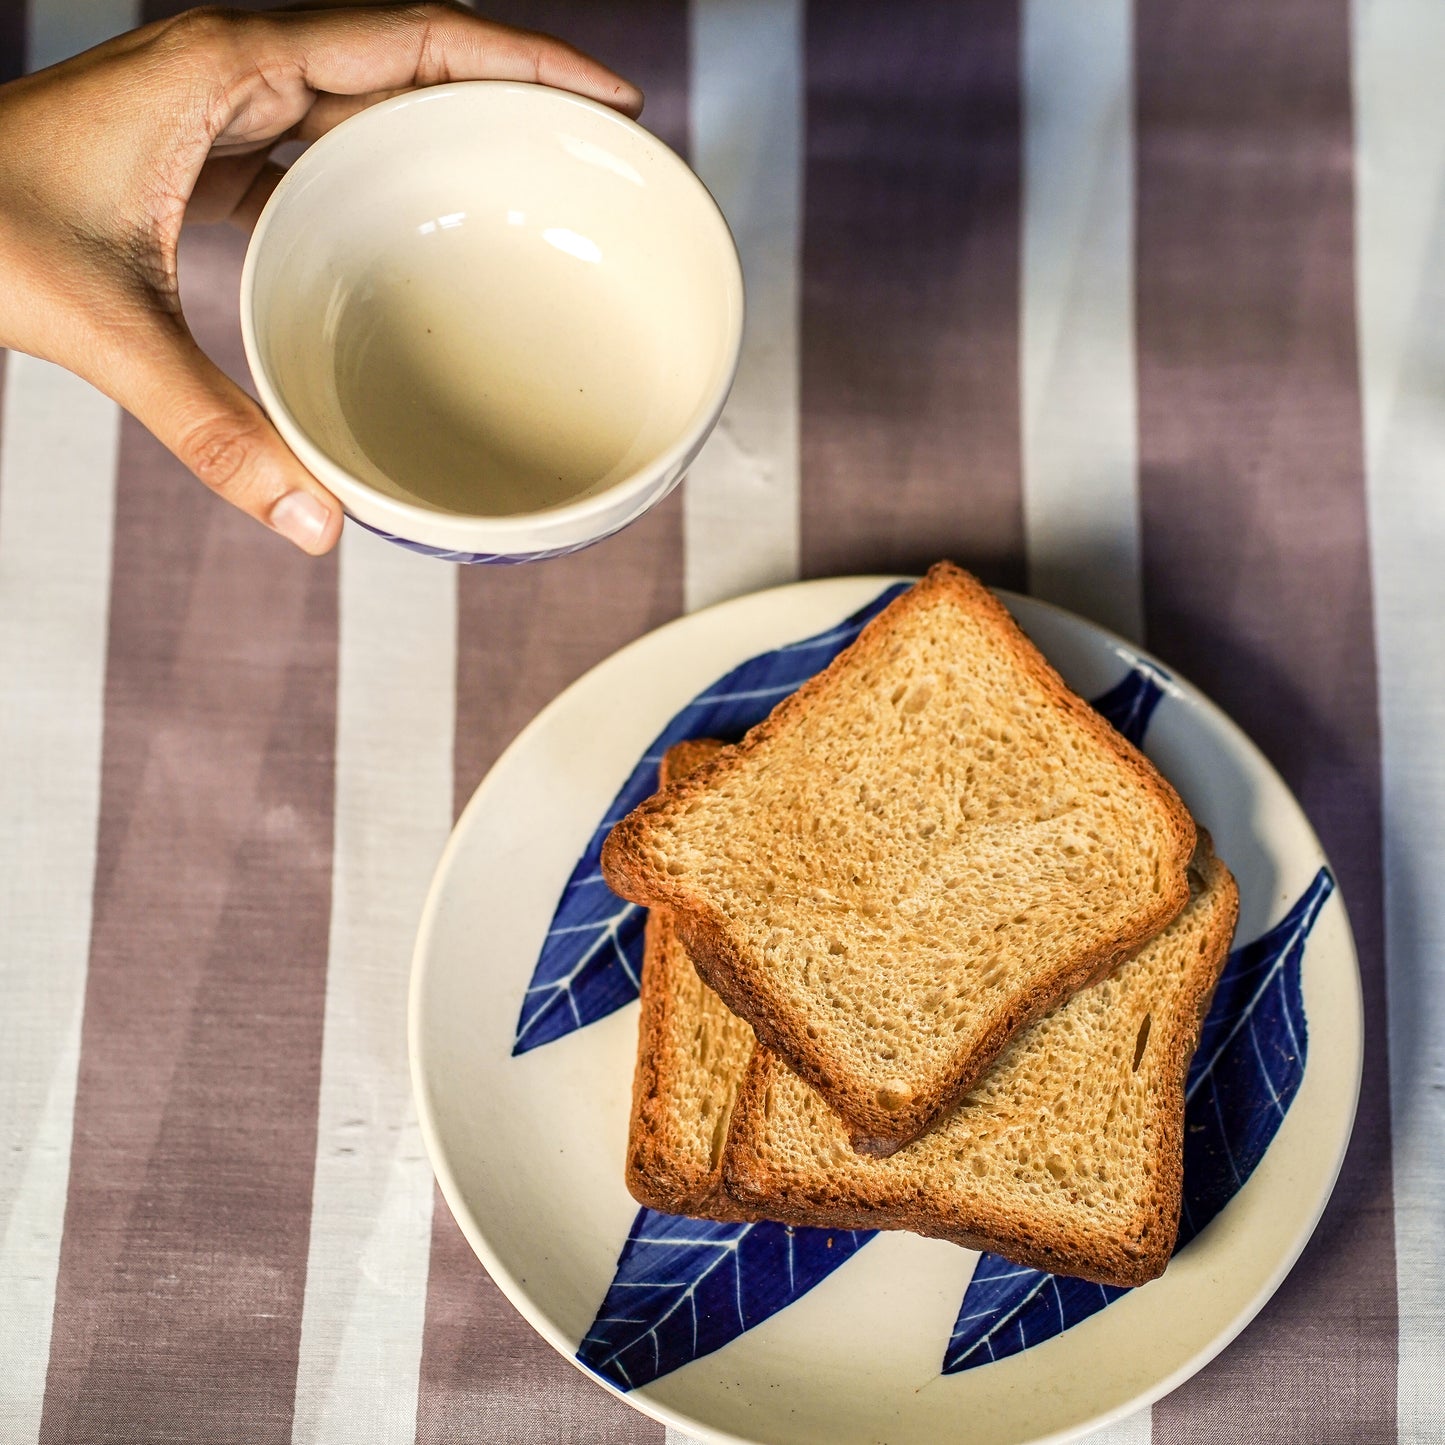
x=887 y=1199
x=659 y=1173
x=747 y=990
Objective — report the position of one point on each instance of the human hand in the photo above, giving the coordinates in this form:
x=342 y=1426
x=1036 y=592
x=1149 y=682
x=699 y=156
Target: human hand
x=104 y=157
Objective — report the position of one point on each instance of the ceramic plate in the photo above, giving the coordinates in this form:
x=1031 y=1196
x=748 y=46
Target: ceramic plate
x=524 y=1028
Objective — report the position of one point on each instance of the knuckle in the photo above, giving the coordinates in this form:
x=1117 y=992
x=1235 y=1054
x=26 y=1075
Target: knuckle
x=221 y=451
x=210 y=28
x=432 y=24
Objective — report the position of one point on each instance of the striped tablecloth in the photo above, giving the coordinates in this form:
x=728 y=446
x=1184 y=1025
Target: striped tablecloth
x=1140 y=308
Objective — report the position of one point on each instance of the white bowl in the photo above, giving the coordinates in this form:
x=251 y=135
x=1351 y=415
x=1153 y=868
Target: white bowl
x=498 y=321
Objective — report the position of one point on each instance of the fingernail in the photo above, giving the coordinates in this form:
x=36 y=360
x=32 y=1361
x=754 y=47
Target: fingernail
x=300 y=518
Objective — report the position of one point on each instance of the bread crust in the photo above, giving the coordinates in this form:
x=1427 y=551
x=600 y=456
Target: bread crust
x=888 y=1200
x=659 y=1173
x=746 y=989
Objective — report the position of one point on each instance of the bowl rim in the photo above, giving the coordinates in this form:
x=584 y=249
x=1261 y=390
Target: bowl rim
x=571 y=523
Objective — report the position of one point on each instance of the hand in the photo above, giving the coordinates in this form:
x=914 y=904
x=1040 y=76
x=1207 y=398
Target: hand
x=103 y=157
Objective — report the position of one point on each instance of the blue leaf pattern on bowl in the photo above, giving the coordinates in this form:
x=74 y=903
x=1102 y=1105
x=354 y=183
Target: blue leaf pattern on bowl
x=687 y=1287
x=591 y=959
x=501 y=559
x=1246 y=1073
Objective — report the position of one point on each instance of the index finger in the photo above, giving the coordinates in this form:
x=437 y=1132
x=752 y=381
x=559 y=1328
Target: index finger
x=358 y=51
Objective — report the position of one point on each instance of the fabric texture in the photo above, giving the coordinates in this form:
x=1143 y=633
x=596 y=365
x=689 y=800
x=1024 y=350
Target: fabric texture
x=159 y=1153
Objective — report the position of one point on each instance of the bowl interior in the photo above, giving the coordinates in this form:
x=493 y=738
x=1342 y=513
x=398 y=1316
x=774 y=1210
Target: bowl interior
x=494 y=299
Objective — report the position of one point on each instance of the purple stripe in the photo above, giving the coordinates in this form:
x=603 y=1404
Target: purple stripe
x=488 y=1376
x=910 y=338
x=1257 y=581
x=524 y=633
x=183 y=1261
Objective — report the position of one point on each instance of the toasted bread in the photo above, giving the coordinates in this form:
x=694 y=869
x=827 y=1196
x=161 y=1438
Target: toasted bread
x=927 y=846
x=1067 y=1156
x=691 y=1053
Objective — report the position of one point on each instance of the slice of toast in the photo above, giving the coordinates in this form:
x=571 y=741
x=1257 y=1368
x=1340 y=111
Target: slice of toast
x=1066 y=1156
x=929 y=844
x=691 y=1053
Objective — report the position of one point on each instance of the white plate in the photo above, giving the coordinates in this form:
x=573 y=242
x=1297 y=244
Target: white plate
x=529 y=1148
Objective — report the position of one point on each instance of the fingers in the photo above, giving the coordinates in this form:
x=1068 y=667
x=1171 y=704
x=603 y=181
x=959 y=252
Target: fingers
x=354 y=52
x=80 y=306
x=225 y=439
x=343 y=60
x=328 y=111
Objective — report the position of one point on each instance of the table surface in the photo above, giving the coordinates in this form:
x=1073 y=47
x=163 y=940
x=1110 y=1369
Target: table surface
x=1140 y=308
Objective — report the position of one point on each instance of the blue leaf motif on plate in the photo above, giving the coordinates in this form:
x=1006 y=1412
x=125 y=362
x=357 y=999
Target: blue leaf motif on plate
x=1007 y=1308
x=1246 y=1073
x=1130 y=704
x=591 y=959
x=1249 y=1064
x=687 y=1287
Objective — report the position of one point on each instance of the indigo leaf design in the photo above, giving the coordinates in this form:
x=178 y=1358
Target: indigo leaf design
x=1008 y=1308
x=1246 y=1073
x=1130 y=703
x=1249 y=1064
x=591 y=959
x=687 y=1287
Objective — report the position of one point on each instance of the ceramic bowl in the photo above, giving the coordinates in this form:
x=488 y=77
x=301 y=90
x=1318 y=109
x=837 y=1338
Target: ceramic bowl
x=497 y=320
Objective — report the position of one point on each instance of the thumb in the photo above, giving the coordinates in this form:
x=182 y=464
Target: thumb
x=179 y=394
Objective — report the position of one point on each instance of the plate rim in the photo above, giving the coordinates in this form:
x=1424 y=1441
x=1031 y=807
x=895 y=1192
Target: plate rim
x=516 y=1293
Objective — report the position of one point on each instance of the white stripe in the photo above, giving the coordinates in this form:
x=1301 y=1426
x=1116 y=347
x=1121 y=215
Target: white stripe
x=1399 y=56
x=676 y=1437
x=740 y=501
x=59 y=442
x=1080 y=409
x=61 y=28
x=371 y=1207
